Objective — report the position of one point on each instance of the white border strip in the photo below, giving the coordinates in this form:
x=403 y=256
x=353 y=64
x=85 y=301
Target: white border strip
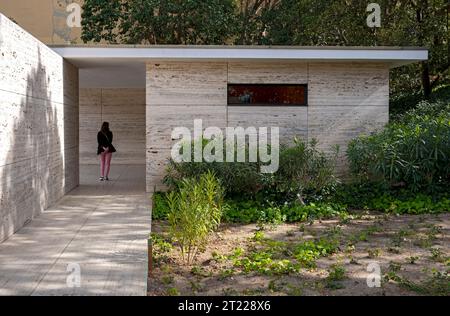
x=400 y=55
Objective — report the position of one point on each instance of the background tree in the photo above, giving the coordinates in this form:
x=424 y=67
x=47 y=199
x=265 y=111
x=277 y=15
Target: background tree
x=159 y=21
x=421 y=23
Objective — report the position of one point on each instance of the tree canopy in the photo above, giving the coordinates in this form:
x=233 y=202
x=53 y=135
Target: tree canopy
x=281 y=22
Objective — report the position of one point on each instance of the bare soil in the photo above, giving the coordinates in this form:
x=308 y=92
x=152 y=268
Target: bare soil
x=412 y=252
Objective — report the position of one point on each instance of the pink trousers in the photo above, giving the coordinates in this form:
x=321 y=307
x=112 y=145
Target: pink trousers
x=105 y=163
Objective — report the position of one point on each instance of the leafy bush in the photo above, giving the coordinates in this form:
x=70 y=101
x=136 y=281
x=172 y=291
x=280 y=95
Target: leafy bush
x=244 y=212
x=379 y=197
x=408 y=101
x=160 y=208
x=236 y=178
x=250 y=211
x=300 y=213
x=303 y=168
x=195 y=211
x=420 y=204
x=414 y=152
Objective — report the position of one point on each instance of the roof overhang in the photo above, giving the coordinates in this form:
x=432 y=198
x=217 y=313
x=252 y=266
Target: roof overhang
x=394 y=56
x=123 y=66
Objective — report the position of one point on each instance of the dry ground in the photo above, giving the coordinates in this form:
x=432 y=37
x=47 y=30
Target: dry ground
x=412 y=251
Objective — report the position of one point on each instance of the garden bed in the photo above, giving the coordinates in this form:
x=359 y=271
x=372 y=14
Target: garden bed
x=328 y=257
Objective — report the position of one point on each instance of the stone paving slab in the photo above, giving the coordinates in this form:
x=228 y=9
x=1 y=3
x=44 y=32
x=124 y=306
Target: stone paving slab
x=101 y=226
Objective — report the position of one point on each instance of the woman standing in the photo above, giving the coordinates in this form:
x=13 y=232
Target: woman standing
x=105 y=150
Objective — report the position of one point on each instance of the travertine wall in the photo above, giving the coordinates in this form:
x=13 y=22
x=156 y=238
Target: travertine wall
x=344 y=100
x=124 y=109
x=38 y=127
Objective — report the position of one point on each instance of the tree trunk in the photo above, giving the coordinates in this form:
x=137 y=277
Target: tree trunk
x=426 y=83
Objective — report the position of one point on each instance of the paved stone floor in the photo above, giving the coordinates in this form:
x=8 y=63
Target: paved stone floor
x=102 y=228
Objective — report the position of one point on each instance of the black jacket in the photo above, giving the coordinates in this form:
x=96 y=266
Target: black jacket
x=105 y=140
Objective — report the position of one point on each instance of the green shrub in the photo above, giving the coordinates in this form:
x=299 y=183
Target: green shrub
x=301 y=213
x=304 y=169
x=420 y=204
x=195 y=212
x=408 y=101
x=160 y=208
x=379 y=197
x=243 y=212
x=251 y=211
x=413 y=153
x=237 y=178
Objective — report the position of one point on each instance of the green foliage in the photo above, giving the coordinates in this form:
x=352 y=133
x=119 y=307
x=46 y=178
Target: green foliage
x=336 y=274
x=438 y=284
x=195 y=211
x=286 y=22
x=415 y=103
x=160 y=207
x=303 y=168
x=414 y=152
x=301 y=213
x=272 y=216
x=237 y=178
x=161 y=247
x=308 y=252
x=379 y=197
x=173 y=292
x=304 y=171
x=420 y=204
x=159 y=21
x=263 y=262
x=244 y=212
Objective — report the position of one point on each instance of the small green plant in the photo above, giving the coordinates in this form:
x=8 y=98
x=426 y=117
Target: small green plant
x=413 y=259
x=196 y=286
x=200 y=272
x=160 y=208
x=308 y=252
x=195 y=212
x=258 y=236
x=294 y=290
x=438 y=284
x=374 y=253
x=437 y=255
x=263 y=262
x=167 y=279
x=219 y=258
x=225 y=274
x=275 y=286
x=270 y=216
x=336 y=274
x=173 y=292
x=160 y=247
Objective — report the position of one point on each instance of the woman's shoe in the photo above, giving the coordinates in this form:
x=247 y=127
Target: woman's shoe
x=107 y=179
x=102 y=179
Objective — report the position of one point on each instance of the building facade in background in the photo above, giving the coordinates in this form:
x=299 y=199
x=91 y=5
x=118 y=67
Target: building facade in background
x=44 y=19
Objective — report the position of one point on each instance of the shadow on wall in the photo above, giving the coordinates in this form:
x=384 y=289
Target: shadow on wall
x=32 y=175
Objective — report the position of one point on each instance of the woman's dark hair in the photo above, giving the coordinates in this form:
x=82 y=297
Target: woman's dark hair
x=105 y=127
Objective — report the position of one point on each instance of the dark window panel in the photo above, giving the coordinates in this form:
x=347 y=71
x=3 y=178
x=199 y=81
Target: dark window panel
x=267 y=94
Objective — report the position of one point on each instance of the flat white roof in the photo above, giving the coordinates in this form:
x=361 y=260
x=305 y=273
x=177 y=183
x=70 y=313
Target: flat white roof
x=124 y=66
x=395 y=56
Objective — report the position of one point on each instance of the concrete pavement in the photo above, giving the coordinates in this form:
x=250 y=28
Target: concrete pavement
x=99 y=230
